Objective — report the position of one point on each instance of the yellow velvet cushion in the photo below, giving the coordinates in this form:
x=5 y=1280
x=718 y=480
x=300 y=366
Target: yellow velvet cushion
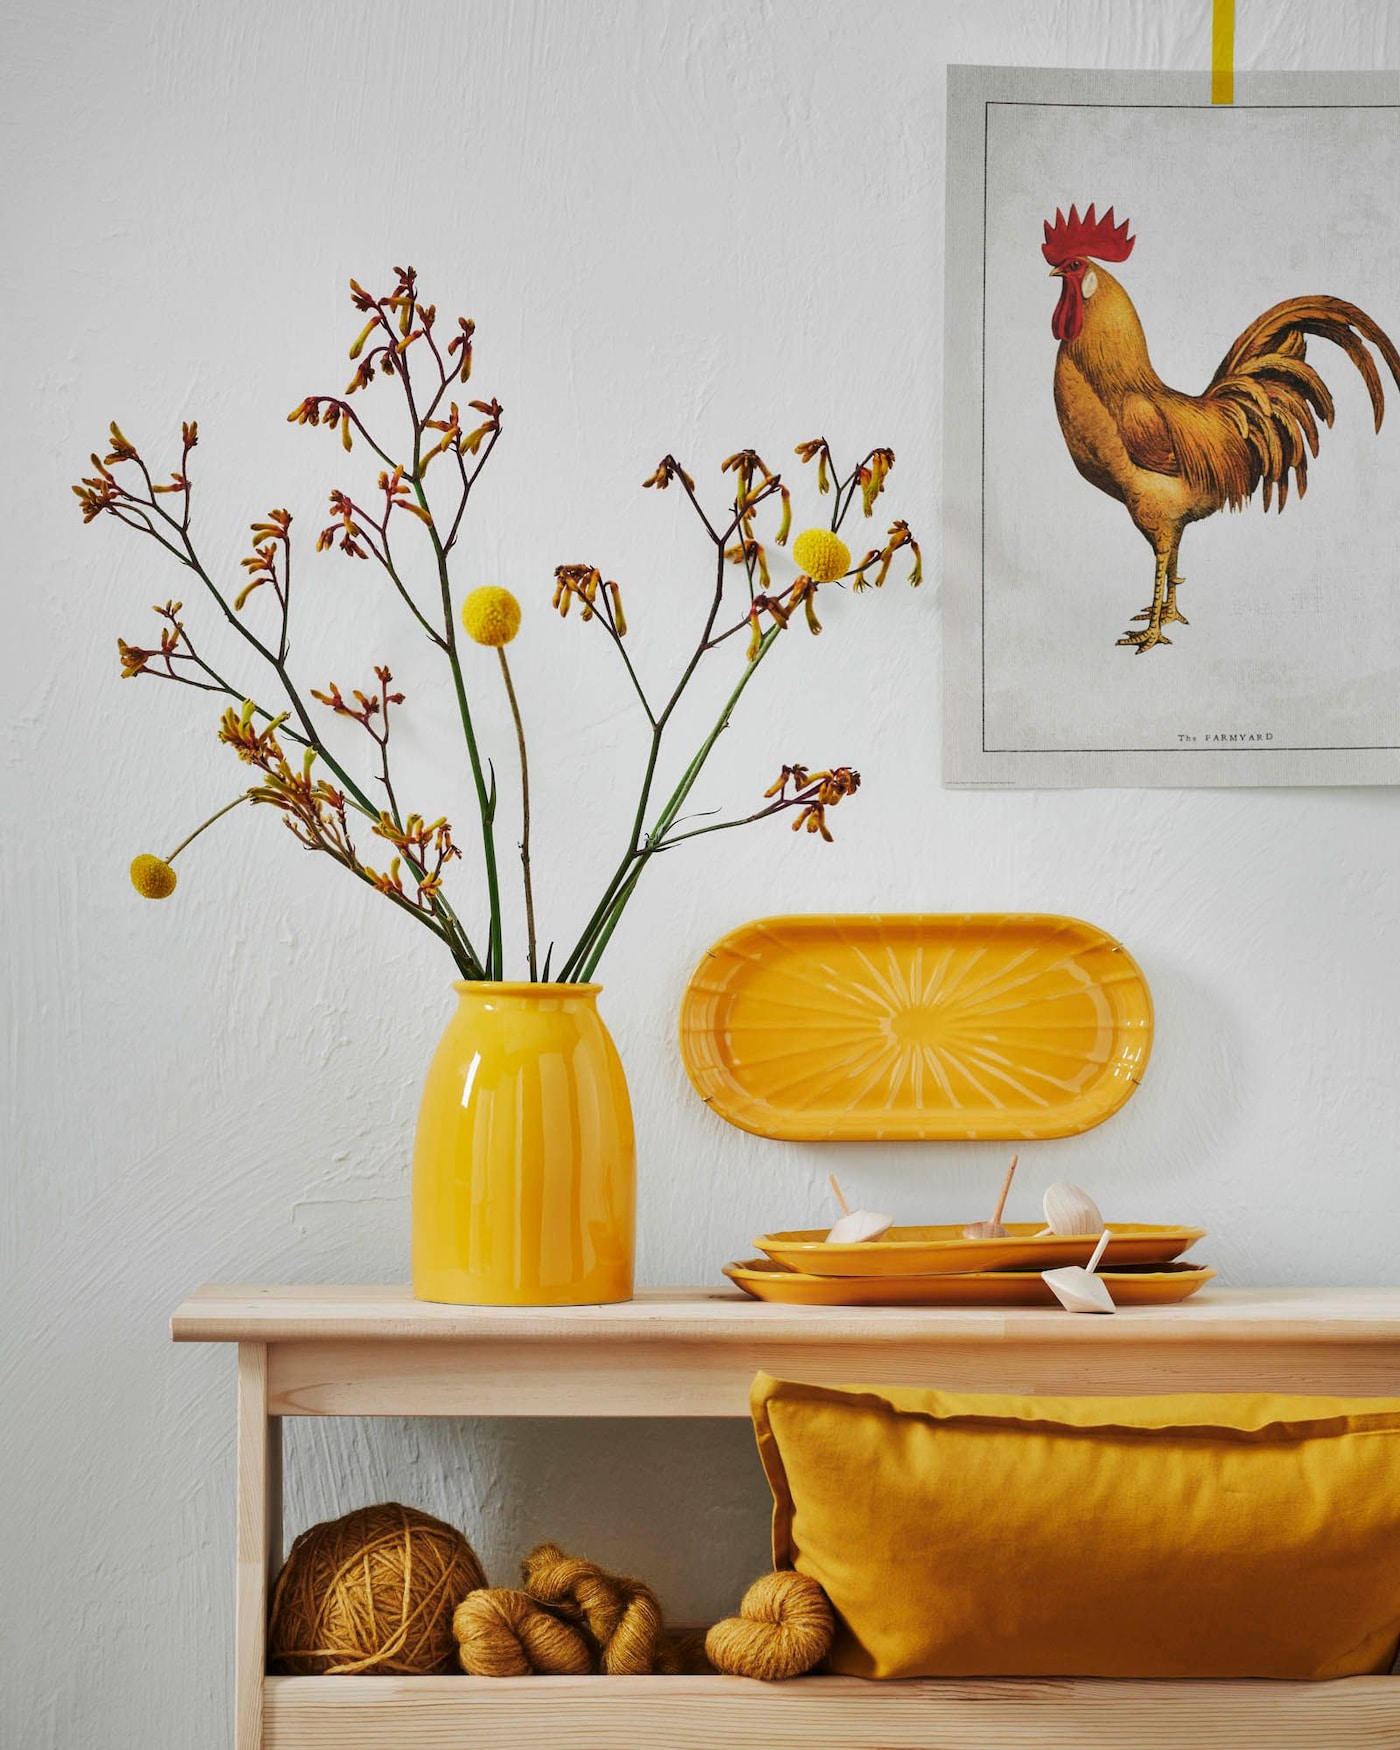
x=1202 y=1536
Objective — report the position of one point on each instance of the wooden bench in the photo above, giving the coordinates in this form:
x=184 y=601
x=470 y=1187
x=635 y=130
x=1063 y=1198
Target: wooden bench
x=333 y=1351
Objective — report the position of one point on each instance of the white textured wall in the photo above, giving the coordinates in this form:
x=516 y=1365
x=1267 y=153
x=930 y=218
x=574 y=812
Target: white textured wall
x=689 y=226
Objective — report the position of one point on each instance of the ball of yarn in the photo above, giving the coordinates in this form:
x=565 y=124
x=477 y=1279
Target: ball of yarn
x=372 y=1592
x=621 y=1616
x=501 y=1633
x=784 y=1627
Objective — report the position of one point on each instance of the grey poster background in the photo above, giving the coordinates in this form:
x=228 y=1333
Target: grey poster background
x=1289 y=671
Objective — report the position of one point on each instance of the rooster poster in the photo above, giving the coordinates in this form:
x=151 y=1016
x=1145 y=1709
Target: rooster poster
x=1172 y=430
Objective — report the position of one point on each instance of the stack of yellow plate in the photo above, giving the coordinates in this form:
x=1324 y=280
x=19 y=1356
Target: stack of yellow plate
x=939 y=1266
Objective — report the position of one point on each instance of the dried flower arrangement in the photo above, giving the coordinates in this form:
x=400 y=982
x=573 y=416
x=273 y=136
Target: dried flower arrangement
x=317 y=794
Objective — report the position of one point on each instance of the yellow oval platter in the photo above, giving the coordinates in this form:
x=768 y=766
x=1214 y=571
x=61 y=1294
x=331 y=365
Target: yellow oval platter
x=761 y=1278
x=944 y=1251
x=869 y=1027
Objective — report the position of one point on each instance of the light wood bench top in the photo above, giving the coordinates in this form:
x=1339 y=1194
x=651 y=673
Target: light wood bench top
x=389 y=1313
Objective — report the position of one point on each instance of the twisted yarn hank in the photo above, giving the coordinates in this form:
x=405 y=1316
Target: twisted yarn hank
x=373 y=1591
x=784 y=1627
x=621 y=1616
x=503 y=1633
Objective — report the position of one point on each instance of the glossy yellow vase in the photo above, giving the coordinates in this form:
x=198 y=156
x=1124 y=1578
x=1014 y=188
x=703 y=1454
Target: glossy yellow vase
x=524 y=1166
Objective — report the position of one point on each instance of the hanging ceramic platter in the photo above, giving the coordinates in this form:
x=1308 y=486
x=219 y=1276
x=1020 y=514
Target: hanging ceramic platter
x=870 y=1028
x=1151 y=1285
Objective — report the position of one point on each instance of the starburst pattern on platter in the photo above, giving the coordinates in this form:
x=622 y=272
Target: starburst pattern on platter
x=996 y=1025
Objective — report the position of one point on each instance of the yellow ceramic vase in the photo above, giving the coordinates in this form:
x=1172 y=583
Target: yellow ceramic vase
x=524 y=1166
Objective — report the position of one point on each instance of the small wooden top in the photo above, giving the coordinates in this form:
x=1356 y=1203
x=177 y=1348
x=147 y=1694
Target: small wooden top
x=389 y=1313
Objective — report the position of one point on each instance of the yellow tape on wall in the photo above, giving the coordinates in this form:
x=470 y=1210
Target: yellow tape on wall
x=1222 y=52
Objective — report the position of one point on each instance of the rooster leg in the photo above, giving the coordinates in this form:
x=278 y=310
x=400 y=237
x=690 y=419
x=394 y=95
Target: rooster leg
x=1174 y=582
x=1170 y=611
x=1152 y=632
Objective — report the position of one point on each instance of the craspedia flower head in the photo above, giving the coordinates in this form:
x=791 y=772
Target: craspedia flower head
x=152 y=877
x=491 y=615
x=822 y=555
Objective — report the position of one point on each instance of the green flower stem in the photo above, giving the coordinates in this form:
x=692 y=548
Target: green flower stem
x=524 y=815
x=386 y=560
x=693 y=770
x=189 y=840
x=699 y=832
x=658 y=730
x=608 y=622
x=486 y=801
x=620 y=874
x=613 y=919
x=599 y=937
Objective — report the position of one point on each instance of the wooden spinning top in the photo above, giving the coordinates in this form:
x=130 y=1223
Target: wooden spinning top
x=1077 y=1288
x=993 y=1230
x=855 y=1224
x=1068 y=1210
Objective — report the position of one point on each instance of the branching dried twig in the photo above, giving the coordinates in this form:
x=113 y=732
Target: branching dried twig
x=400 y=340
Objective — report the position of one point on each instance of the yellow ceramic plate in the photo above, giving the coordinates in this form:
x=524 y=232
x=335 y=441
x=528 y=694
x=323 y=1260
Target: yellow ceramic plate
x=992 y=1024
x=942 y=1251
x=1150 y=1285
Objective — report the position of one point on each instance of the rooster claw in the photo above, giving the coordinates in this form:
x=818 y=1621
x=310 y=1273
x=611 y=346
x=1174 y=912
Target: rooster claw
x=1146 y=639
x=1172 y=612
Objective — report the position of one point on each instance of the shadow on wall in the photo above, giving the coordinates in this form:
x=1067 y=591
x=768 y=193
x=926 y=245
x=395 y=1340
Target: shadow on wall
x=1191 y=1098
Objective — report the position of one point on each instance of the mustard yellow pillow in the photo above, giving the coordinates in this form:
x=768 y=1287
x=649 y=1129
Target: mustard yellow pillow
x=1202 y=1536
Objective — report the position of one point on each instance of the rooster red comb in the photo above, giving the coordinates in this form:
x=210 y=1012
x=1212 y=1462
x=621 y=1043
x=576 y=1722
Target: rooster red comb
x=1101 y=238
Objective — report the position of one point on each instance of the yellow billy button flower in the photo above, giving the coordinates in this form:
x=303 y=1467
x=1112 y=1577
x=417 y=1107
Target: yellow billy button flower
x=152 y=877
x=491 y=615
x=822 y=555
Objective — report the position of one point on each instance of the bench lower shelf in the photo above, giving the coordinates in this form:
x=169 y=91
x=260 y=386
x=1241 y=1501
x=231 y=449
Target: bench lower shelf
x=337 y=1351
x=824 y=1713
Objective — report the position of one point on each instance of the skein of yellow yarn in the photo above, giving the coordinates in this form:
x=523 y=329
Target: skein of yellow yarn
x=502 y=1633
x=372 y=1592
x=621 y=1616
x=784 y=1627
x=574 y=1617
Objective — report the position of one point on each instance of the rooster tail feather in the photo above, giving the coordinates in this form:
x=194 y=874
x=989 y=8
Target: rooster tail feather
x=1280 y=369
x=1284 y=328
x=1357 y=351
x=1265 y=396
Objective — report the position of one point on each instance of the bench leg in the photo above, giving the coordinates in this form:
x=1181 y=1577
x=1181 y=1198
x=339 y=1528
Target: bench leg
x=258 y=1540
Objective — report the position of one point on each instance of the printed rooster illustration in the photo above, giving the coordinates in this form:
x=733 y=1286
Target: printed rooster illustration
x=1173 y=458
